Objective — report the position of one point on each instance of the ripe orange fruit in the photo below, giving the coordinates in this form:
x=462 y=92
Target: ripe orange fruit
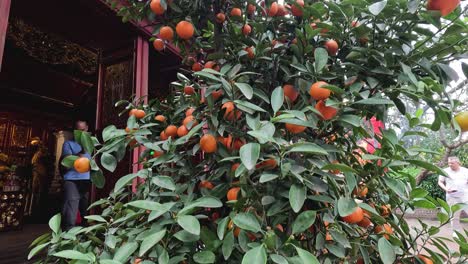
x=189 y=90
x=166 y=33
x=354 y=217
x=251 y=9
x=360 y=261
x=189 y=111
x=295 y=10
x=238 y=143
x=206 y=184
x=220 y=17
x=160 y=118
x=267 y=164
x=332 y=47
x=210 y=65
x=384 y=229
x=235 y=166
x=355 y=24
x=282 y=11
x=319 y=93
x=385 y=210
x=246 y=29
x=139 y=114
x=295 y=129
x=365 y=222
x=425 y=259
x=182 y=131
x=163 y=136
x=327 y=112
x=185 y=30
x=158 y=44
x=197 y=67
x=462 y=120
x=157 y=154
x=208 y=143
x=236 y=232
x=171 y=131
x=82 y=165
x=233 y=193
x=273 y=10
x=280 y=228
x=444 y=6
x=128 y=130
x=290 y=92
x=217 y=94
x=156 y=7
x=137 y=261
x=361 y=191
x=328 y=237
x=236 y=12
x=250 y=52
x=230 y=113
x=190 y=121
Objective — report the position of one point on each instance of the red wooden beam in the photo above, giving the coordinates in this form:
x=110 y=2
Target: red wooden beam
x=4 y=13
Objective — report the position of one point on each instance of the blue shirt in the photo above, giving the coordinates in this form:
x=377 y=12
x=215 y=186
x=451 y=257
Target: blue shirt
x=70 y=147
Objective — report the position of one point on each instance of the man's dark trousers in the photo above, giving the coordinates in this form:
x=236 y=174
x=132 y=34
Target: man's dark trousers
x=76 y=198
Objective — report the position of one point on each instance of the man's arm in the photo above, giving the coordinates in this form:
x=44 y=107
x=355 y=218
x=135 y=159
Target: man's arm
x=441 y=183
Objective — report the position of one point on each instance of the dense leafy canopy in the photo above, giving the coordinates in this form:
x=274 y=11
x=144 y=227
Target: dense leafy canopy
x=286 y=174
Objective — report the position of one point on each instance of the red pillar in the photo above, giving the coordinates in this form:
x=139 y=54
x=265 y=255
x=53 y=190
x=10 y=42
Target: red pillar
x=141 y=90
x=4 y=13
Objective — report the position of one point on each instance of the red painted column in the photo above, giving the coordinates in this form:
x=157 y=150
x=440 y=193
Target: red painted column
x=4 y=13
x=141 y=90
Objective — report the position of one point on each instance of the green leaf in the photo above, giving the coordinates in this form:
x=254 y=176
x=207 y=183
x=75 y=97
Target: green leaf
x=297 y=196
x=108 y=162
x=109 y=261
x=375 y=101
x=308 y=148
x=266 y=177
x=427 y=166
x=386 y=251
x=222 y=225
x=185 y=236
x=189 y=223
x=125 y=251
x=248 y=105
x=346 y=206
x=54 y=223
x=206 y=201
x=303 y=221
x=37 y=249
x=418 y=193
x=151 y=240
x=164 y=182
x=256 y=255
x=164 y=208
x=306 y=256
x=249 y=154
x=73 y=254
x=96 y=218
x=206 y=75
x=69 y=160
x=122 y=182
x=278 y=259
x=204 y=257
x=376 y=8
x=321 y=59
x=424 y=203
x=97 y=178
x=145 y=204
x=277 y=99
x=247 y=221
x=108 y=132
x=163 y=257
x=87 y=142
x=246 y=89
x=350 y=119
x=228 y=245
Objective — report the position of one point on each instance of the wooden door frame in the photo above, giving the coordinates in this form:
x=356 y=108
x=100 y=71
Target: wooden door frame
x=4 y=14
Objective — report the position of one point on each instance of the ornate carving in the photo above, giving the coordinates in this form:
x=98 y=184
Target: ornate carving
x=49 y=48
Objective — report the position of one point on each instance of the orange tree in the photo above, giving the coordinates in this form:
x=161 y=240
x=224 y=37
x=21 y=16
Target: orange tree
x=254 y=158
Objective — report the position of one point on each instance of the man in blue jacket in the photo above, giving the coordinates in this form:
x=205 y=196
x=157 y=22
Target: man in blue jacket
x=76 y=185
